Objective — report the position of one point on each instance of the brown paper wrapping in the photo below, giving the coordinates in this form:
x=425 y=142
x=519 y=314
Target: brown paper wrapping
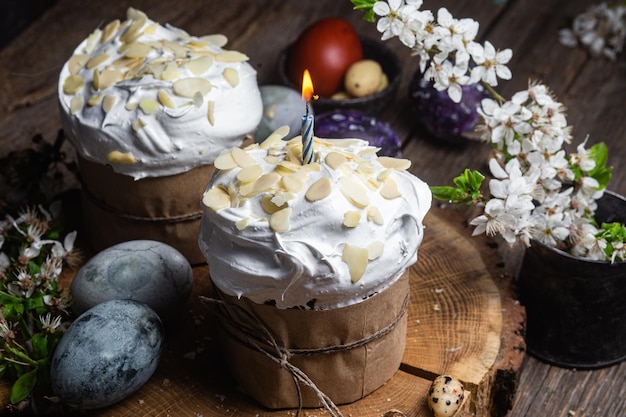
x=116 y=208
x=346 y=375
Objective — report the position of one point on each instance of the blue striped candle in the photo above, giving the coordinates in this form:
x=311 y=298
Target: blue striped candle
x=307 y=137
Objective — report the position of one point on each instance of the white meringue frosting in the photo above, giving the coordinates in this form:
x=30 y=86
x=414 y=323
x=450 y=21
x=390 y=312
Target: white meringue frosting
x=151 y=100
x=322 y=235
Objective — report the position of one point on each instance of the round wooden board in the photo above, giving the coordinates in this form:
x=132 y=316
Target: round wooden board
x=463 y=321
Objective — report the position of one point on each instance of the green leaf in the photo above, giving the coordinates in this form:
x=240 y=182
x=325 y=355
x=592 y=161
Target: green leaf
x=40 y=345
x=23 y=386
x=601 y=173
x=367 y=6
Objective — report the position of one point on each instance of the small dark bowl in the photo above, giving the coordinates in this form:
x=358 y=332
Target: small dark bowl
x=372 y=104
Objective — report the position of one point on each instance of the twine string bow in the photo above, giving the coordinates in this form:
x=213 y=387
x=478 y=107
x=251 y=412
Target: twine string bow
x=255 y=335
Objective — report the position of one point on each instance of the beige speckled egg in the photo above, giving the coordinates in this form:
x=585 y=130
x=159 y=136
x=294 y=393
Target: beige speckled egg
x=445 y=396
x=364 y=78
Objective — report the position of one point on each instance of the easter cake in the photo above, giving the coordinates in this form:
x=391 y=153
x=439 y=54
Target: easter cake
x=148 y=108
x=310 y=264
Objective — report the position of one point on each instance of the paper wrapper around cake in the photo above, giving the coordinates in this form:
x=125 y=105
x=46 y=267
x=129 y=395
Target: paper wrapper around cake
x=346 y=375
x=116 y=208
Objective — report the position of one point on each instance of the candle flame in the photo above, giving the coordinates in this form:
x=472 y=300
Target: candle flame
x=307 y=86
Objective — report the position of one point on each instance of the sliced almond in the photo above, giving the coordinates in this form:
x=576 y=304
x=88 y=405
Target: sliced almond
x=225 y=161
x=266 y=182
x=171 y=72
x=231 y=76
x=356 y=258
x=76 y=63
x=398 y=164
x=76 y=104
x=165 y=99
x=108 y=102
x=335 y=159
x=94 y=100
x=106 y=78
x=354 y=191
x=199 y=66
x=282 y=198
x=73 y=84
x=216 y=198
x=121 y=157
x=351 y=218
x=366 y=167
x=250 y=173
x=110 y=30
x=131 y=105
x=390 y=189
x=279 y=221
x=382 y=176
x=210 y=112
x=187 y=87
x=92 y=40
x=96 y=60
x=375 y=249
x=137 y=50
x=374 y=215
x=319 y=190
x=242 y=158
x=293 y=183
x=179 y=50
x=148 y=106
x=242 y=224
x=231 y=56
x=216 y=39
x=134 y=30
x=269 y=206
x=275 y=138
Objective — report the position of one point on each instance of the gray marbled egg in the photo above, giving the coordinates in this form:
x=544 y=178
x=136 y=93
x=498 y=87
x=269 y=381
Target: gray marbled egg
x=107 y=353
x=281 y=106
x=147 y=271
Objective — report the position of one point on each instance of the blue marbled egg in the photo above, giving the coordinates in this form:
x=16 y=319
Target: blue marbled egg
x=147 y=271
x=281 y=106
x=107 y=353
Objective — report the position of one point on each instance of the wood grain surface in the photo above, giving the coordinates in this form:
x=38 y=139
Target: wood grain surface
x=593 y=90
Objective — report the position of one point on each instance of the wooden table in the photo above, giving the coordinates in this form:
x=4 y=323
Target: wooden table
x=593 y=90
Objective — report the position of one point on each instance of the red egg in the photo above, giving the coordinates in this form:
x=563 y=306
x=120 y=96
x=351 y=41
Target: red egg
x=326 y=48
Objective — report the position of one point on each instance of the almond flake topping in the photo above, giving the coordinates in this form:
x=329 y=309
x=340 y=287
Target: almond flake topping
x=165 y=99
x=216 y=198
x=121 y=157
x=231 y=56
x=243 y=158
x=187 y=87
x=106 y=78
x=137 y=50
x=335 y=159
x=266 y=182
x=242 y=224
x=375 y=249
x=76 y=63
x=356 y=258
x=76 y=104
x=73 y=84
x=293 y=183
x=275 y=138
x=319 y=190
x=269 y=206
x=148 y=106
x=231 y=76
x=199 y=66
x=94 y=100
x=279 y=221
x=225 y=161
x=170 y=73
x=210 y=112
x=398 y=164
x=374 y=214
x=216 y=39
x=250 y=173
x=351 y=218
x=390 y=189
x=110 y=30
x=354 y=191
x=96 y=60
x=108 y=102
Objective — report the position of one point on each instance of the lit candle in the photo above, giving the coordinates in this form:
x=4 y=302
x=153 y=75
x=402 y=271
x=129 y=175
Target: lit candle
x=307 y=119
